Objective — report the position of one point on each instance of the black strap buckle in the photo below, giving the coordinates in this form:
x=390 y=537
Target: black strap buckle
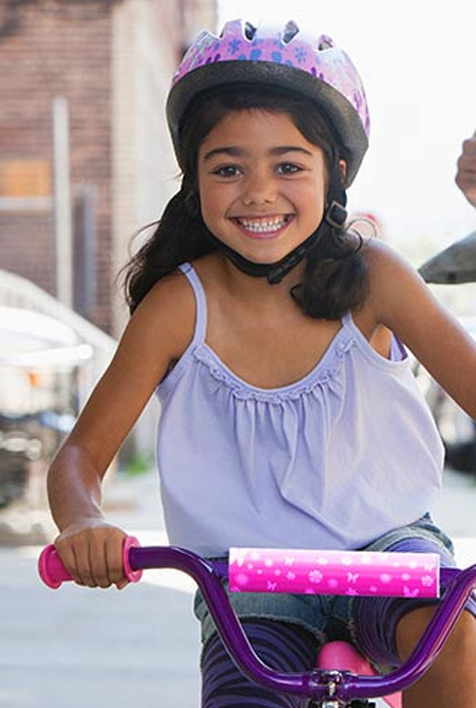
x=336 y=215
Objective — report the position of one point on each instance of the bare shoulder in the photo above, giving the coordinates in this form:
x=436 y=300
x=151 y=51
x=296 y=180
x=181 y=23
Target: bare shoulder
x=166 y=316
x=393 y=281
x=398 y=296
x=383 y=259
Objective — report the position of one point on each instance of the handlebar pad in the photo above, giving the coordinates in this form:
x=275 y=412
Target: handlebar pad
x=53 y=572
x=334 y=572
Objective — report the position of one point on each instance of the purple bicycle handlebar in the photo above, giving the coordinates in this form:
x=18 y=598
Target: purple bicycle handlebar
x=314 y=684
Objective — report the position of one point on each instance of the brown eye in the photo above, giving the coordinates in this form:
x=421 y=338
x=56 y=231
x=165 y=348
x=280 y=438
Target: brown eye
x=288 y=168
x=227 y=171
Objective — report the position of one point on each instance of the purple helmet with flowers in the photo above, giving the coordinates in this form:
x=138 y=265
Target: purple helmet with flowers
x=312 y=67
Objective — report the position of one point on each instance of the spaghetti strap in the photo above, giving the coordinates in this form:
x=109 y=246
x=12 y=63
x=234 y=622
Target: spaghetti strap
x=201 y=302
x=347 y=318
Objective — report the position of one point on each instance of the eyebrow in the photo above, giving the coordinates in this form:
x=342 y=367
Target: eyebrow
x=239 y=152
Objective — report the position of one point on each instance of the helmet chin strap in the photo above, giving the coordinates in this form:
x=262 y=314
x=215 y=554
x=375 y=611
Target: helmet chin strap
x=274 y=272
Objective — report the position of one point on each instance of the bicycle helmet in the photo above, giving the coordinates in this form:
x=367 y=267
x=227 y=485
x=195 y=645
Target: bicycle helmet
x=286 y=58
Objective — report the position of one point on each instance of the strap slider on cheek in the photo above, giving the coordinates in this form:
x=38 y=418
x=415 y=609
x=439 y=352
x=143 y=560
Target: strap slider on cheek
x=336 y=215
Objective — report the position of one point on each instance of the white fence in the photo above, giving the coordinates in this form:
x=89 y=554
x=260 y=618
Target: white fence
x=16 y=291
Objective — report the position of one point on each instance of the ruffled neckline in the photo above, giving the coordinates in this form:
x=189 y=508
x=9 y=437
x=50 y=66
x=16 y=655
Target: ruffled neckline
x=325 y=371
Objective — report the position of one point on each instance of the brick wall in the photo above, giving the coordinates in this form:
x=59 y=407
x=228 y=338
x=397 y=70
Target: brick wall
x=55 y=49
x=146 y=37
x=112 y=60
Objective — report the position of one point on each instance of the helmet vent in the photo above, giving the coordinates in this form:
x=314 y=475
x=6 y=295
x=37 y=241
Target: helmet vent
x=325 y=42
x=291 y=29
x=249 y=31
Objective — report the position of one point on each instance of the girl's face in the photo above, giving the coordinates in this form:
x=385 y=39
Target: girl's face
x=262 y=185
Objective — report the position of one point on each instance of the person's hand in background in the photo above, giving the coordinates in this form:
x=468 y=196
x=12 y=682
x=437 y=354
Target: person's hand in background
x=466 y=170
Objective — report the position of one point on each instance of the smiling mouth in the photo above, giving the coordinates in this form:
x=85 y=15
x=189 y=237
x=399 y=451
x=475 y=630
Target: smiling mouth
x=263 y=225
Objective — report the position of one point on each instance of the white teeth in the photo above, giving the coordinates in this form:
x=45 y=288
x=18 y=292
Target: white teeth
x=263 y=225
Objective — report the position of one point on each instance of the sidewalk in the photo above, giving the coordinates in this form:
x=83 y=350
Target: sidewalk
x=76 y=647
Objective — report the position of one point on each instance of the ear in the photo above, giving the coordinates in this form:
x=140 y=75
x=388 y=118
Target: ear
x=342 y=169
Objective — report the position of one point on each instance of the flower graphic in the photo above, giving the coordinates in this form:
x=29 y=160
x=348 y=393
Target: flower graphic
x=315 y=576
x=234 y=45
x=300 y=54
x=241 y=580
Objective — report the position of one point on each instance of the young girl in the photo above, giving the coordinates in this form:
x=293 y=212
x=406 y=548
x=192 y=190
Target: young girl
x=287 y=419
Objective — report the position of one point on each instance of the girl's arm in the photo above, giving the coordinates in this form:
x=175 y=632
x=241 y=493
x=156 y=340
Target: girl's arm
x=157 y=334
x=401 y=300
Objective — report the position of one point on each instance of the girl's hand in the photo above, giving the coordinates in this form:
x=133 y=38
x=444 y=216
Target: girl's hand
x=91 y=550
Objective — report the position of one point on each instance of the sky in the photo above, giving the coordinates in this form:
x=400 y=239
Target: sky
x=417 y=60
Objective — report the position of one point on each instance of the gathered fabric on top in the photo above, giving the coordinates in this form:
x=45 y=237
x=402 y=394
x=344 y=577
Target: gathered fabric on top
x=335 y=460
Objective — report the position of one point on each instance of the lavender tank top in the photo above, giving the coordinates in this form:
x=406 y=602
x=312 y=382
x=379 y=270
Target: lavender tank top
x=334 y=460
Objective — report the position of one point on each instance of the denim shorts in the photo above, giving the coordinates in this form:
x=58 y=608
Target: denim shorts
x=328 y=618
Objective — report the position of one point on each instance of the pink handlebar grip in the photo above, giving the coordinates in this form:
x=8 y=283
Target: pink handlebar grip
x=53 y=572
x=51 y=568
x=334 y=572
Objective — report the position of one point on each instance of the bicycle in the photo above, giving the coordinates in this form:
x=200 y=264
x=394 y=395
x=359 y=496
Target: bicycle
x=342 y=678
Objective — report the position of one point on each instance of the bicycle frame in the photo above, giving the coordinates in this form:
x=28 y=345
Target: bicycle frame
x=325 y=688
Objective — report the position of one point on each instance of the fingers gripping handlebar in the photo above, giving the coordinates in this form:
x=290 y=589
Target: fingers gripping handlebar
x=53 y=572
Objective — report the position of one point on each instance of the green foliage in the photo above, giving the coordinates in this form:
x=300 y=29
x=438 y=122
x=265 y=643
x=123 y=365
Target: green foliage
x=138 y=464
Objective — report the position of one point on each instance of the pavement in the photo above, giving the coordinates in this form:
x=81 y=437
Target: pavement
x=75 y=647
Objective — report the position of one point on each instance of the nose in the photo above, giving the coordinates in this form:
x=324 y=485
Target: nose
x=258 y=189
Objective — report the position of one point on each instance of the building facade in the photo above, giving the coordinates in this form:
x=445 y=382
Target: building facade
x=85 y=157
